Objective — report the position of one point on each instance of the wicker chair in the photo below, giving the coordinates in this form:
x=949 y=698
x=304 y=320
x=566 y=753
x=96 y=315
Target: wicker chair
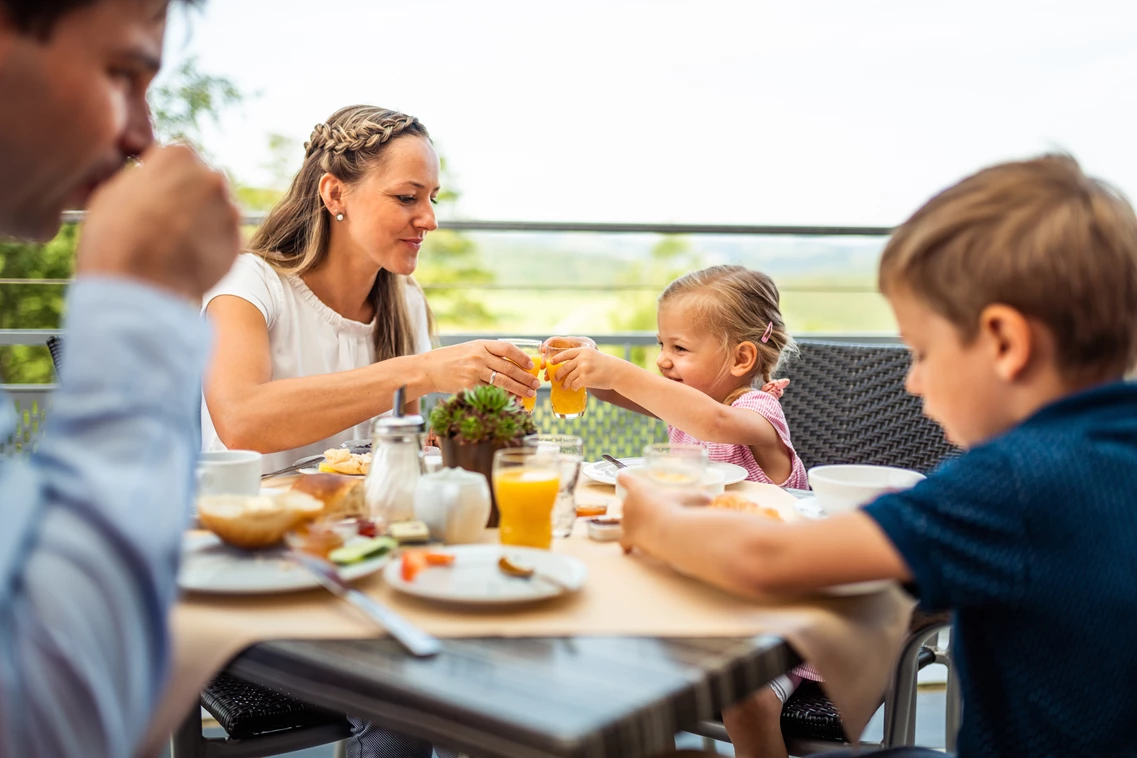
x=846 y=403
x=258 y=722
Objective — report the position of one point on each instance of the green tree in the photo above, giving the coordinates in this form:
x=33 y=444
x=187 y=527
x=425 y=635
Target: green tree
x=183 y=104
x=179 y=108
x=452 y=260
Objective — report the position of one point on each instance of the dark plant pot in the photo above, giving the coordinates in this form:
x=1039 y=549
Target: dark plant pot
x=477 y=458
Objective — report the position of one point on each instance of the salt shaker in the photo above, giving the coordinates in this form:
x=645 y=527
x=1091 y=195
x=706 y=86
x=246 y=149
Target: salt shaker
x=396 y=464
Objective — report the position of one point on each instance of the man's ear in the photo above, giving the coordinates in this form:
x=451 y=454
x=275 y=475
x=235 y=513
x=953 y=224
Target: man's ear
x=743 y=359
x=1009 y=340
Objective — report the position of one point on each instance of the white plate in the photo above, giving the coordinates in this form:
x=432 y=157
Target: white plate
x=605 y=472
x=475 y=579
x=810 y=508
x=208 y=565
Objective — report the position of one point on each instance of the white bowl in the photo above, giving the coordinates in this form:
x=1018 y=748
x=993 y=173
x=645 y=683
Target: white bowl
x=844 y=488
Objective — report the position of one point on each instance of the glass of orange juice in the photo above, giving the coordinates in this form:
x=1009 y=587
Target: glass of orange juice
x=526 y=482
x=566 y=403
x=531 y=348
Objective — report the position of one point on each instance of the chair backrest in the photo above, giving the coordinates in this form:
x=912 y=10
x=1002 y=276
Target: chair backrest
x=55 y=347
x=846 y=403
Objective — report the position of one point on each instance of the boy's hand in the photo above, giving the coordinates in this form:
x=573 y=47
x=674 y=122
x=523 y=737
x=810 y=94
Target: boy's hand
x=648 y=508
x=582 y=367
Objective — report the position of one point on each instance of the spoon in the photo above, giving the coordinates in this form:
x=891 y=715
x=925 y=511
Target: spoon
x=511 y=568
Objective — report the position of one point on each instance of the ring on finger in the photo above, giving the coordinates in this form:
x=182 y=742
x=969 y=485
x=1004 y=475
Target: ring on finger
x=493 y=377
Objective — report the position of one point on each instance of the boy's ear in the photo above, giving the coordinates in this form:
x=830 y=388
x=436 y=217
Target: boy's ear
x=744 y=358
x=1011 y=341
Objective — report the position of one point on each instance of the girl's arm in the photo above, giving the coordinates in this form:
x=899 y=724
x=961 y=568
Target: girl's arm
x=252 y=411
x=615 y=398
x=752 y=556
x=683 y=407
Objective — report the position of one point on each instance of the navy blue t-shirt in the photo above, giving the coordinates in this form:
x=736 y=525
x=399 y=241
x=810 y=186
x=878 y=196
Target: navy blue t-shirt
x=1031 y=539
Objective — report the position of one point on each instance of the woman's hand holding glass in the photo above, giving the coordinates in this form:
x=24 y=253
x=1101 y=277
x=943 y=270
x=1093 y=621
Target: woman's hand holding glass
x=462 y=367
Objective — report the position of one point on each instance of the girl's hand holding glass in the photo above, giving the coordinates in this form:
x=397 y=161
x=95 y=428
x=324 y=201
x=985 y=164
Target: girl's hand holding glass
x=584 y=367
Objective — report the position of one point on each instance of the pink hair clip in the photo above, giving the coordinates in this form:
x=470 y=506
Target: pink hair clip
x=766 y=334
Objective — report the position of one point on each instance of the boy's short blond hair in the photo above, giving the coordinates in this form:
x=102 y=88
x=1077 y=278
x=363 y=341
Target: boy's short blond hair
x=1039 y=236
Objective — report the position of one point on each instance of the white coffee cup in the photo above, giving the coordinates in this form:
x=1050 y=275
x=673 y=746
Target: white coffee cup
x=229 y=472
x=454 y=504
x=844 y=488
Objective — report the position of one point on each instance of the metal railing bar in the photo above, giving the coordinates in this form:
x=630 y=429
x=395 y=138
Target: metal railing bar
x=253 y=218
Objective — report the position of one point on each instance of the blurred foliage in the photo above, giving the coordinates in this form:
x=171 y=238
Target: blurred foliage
x=179 y=107
x=669 y=259
x=33 y=306
x=453 y=258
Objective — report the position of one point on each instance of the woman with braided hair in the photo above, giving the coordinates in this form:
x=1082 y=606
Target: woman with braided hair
x=320 y=321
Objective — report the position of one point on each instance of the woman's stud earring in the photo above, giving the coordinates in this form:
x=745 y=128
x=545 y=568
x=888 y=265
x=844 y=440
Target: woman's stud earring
x=339 y=217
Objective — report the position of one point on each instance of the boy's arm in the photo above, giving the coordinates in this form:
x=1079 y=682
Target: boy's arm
x=752 y=556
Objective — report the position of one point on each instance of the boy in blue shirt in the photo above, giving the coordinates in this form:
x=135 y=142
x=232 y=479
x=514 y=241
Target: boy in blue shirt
x=1016 y=291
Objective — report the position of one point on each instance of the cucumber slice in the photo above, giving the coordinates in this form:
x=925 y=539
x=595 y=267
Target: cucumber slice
x=358 y=551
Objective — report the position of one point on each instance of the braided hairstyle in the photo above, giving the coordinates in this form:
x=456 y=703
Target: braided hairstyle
x=294 y=236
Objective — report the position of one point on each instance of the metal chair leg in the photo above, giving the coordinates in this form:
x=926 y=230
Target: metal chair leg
x=340 y=750
x=954 y=704
x=188 y=741
x=900 y=704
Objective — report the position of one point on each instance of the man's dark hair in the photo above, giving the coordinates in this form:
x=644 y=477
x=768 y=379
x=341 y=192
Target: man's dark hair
x=38 y=17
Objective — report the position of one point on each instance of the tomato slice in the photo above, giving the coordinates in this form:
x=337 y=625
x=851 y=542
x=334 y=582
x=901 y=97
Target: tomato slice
x=413 y=562
x=439 y=559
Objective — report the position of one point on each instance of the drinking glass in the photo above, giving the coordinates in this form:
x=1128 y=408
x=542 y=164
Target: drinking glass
x=531 y=348
x=525 y=483
x=431 y=459
x=570 y=450
x=682 y=465
x=566 y=403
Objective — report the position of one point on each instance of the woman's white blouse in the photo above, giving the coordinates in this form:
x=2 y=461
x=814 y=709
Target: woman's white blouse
x=307 y=338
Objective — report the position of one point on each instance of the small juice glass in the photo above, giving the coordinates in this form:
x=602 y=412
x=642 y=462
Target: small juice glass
x=526 y=482
x=566 y=403
x=531 y=348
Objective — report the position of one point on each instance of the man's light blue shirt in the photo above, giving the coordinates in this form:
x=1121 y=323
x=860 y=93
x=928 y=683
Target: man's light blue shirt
x=91 y=522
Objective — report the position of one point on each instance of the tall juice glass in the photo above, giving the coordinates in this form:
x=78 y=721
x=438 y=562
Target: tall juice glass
x=531 y=348
x=566 y=403
x=571 y=452
x=526 y=482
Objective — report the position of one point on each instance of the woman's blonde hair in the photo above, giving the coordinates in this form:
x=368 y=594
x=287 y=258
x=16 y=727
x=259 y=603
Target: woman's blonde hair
x=294 y=236
x=740 y=304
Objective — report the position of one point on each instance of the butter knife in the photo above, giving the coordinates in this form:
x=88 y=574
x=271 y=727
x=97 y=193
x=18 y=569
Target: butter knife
x=614 y=461
x=418 y=642
x=302 y=463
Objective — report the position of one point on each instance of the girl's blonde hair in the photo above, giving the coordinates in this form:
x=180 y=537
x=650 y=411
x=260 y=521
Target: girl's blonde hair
x=740 y=304
x=294 y=236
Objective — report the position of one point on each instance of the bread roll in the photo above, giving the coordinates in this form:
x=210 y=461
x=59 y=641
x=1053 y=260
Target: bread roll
x=252 y=522
x=342 y=496
x=731 y=501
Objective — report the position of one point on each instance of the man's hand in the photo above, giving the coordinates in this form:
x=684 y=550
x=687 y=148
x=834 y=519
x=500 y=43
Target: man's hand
x=169 y=223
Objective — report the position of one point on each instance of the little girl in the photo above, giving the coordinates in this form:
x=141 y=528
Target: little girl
x=721 y=337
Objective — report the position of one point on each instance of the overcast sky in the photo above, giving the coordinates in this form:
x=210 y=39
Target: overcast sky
x=826 y=112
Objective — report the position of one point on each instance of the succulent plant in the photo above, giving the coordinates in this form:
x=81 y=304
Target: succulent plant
x=482 y=414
